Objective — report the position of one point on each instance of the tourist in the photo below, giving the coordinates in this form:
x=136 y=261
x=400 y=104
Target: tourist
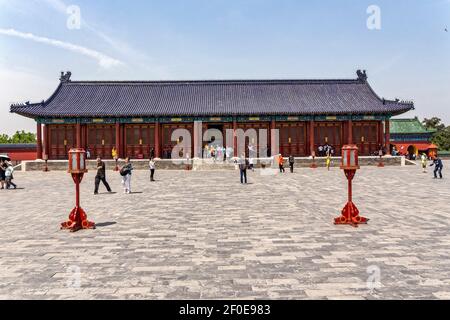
x=101 y=176
x=291 y=163
x=9 y=176
x=152 y=153
x=423 y=158
x=114 y=153
x=320 y=151
x=438 y=166
x=152 y=166
x=3 y=167
x=328 y=161
x=125 y=172
x=281 y=163
x=251 y=164
x=243 y=164
x=88 y=153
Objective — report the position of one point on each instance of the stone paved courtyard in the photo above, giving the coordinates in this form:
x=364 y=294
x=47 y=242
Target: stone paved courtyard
x=202 y=235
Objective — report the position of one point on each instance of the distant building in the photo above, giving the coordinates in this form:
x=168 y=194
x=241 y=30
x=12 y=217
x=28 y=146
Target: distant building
x=411 y=137
x=19 y=151
x=139 y=118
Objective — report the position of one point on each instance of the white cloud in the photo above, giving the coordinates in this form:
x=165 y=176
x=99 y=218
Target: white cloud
x=102 y=59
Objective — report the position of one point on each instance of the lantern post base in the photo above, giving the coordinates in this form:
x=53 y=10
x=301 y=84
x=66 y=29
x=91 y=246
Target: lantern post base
x=350 y=215
x=45 y=168
x=77 y=220
x=313 y=164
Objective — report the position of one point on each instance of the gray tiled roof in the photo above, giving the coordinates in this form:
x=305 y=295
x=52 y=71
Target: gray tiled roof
x=204 y=98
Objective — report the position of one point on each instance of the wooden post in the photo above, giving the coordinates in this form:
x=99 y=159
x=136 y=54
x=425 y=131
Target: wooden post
x=235 y=146
x=387 y=139
x=311 y=138
x=157 y=140
x=78 y=135
x=118 y=140
x=39 y=141
x=272 y=138
x=46 y=140
x=350 y=131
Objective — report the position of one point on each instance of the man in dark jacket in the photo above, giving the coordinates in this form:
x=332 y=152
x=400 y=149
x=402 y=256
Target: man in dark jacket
x=291 y=163
x=243 y=165
x=101 y=176
x=438 y=166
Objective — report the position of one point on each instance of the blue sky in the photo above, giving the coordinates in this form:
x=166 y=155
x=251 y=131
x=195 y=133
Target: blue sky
x=408 y=58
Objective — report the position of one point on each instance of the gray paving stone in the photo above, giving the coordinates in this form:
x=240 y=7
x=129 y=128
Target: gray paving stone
x=202 y=235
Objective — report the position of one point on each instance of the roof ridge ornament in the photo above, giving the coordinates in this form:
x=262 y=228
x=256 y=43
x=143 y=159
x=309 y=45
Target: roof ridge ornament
x=362 y=75
x=65 y=77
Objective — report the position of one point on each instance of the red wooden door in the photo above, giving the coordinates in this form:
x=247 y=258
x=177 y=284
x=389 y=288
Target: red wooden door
x=140 y=139
x=328 y=132
x=100 y=140
x=365 y=135
x=168 y=145
x=260 y=142
x=62 y=138
x=292 y=139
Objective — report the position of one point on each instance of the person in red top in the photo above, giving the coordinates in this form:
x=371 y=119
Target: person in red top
x=281 y=163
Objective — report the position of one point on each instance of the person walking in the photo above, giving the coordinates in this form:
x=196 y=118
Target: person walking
x=291 y=163
x=125 y=172
x=152 y=166
x=114 y=153
x=9 y=176
x=101 y=176
x=3 y=167
x=328 y=161
x=251 y=164
x=281 y=163
x=243 y=165
x=438 y=166
x=423 y=159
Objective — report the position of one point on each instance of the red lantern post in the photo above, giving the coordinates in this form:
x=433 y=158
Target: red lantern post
x=313 y=164
x=77 y=168
x=350 y=213
x=45 y=168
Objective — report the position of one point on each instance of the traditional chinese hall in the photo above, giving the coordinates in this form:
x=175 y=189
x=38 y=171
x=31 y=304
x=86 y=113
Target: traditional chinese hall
x=138 y=117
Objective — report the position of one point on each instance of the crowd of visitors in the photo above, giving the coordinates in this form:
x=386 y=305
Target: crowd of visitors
x=6 y=175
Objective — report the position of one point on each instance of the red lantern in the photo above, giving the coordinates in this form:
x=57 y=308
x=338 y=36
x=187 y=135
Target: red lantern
x=77 y=168
x=350 y=213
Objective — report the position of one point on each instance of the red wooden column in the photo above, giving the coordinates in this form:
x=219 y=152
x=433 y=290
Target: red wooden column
x=350 y=132
x=118 y=140
x=311 y=137
x=157 y=140
x=78 y=135
x=380 y=139
x=235 y=146
x=46 y=140
x=272 y=138
x=387 y=138
x=83 y=136
x=39 y=141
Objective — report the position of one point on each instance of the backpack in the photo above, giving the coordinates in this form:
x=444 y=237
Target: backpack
x=124 y=172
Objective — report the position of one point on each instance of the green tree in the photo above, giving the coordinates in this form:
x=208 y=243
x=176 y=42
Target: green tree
x=23 y=137
x=442 y=138
x=433 y=123
x=4 y=138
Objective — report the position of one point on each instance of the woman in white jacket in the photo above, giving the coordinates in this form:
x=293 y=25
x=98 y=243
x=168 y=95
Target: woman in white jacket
x=9 y=176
